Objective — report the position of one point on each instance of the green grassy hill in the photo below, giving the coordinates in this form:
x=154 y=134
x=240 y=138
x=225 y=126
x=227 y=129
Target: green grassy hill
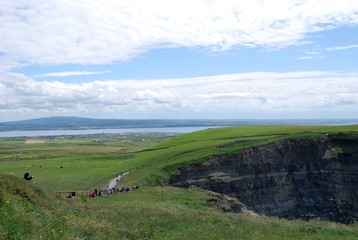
x=148 y=213
x=156 y=164
x=151 y=212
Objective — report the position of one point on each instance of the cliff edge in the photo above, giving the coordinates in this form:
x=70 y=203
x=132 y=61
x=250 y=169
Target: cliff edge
x=294 y=178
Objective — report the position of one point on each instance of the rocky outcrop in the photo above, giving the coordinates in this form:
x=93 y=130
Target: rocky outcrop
x=294 y=178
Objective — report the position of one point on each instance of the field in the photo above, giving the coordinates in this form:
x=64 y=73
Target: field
x=155 y=210
x=73 y=163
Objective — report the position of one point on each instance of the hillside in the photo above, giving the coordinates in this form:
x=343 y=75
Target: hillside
x=282 y=172
x=26 y=212
x=303 y=178
x=156 y=165
x=156 y=210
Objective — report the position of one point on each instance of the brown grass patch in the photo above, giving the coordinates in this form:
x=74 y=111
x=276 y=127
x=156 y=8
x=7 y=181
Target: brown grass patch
x=35 y=141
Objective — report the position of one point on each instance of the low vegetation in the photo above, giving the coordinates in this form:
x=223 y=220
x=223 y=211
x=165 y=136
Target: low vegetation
x=155 y=210
x=148 y=213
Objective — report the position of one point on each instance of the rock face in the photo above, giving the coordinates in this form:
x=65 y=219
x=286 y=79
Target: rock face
x=294 y=178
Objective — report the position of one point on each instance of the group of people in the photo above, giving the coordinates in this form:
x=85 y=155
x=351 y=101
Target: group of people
x=95 y=193
x=110 y=191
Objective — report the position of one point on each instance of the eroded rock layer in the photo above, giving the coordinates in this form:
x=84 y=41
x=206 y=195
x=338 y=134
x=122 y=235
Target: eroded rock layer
x=294 y=178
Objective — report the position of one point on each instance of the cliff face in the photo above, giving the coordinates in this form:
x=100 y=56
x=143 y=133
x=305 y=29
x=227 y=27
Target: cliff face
x=294 y=178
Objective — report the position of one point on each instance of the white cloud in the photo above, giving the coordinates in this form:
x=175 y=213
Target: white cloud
x=313 y=53
x=99 y=32
x=340 y=48
x=69 y=74
x=232 y=96
x=310 y=57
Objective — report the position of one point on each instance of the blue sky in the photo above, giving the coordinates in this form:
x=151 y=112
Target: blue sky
x=184 y=59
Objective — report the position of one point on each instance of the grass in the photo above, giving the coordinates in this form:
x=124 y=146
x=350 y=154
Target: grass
x=86 y=162
x=73 y=163
x=152 y=212
x=166 y=157
x=28 y=213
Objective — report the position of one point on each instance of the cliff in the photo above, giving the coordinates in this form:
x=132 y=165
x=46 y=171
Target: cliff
x=293 y=178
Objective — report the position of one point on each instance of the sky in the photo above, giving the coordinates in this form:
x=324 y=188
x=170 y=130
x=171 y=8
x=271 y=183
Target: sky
x=179 y=59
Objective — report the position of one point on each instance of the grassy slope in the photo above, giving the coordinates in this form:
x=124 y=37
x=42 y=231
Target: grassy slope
x=158 y=163
x=27 y=212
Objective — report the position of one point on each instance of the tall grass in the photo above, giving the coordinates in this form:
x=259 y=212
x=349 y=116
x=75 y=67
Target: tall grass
x=147 y=213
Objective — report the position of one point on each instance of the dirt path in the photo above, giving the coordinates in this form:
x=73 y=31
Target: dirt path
x=113 y=183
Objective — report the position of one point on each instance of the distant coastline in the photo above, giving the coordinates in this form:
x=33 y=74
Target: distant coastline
x=48 y=133
x=98 y=125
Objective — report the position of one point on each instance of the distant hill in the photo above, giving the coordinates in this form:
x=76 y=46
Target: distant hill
x=77 y=123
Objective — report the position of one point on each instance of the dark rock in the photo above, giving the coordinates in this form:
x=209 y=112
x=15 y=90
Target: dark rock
x=293 y=178
x=229 y=204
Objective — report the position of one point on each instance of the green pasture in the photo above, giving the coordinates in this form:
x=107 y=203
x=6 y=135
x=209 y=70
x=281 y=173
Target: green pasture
x=73 y=163
x=155 y=210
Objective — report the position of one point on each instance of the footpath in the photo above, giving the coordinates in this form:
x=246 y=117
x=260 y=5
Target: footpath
x=113 y=182
x=110 y=188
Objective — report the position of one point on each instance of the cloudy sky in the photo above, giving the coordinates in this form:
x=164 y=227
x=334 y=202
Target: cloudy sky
x=191 y=59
